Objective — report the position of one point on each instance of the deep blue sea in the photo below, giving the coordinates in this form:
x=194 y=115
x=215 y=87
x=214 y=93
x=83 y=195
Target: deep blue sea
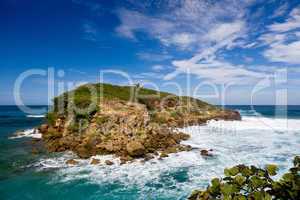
x=266 y=134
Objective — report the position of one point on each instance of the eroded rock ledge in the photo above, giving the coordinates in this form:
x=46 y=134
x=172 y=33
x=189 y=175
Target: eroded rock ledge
x=129 y=129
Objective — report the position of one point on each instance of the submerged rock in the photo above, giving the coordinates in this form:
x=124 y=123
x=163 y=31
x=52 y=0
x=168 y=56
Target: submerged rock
x=206 y=153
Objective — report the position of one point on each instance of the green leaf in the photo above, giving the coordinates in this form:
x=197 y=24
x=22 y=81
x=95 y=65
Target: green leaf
x=228 y=189
x=240 y=180
x=297 y=161
x=272 y=169
x=288 y=177
x=215 y=182
x=256 y=182
x=245 y=171
x=231 y=171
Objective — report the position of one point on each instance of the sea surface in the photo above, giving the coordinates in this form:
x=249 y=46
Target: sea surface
x=266 y=134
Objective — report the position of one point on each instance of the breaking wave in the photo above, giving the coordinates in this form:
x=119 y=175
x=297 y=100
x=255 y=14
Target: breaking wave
x=35 y=116
x=30 y=133
x=254 y=140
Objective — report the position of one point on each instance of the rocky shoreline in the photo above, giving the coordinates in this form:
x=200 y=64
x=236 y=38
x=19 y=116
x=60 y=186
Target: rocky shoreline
x=129 y=130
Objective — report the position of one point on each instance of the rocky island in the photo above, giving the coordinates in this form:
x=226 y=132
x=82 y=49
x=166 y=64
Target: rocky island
x=127 y=121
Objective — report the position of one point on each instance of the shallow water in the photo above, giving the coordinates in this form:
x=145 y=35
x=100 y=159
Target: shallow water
x=255 y=140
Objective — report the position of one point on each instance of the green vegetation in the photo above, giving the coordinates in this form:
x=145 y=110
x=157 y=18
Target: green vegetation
x=243 y=182
x=83 y=96
x=51 y=117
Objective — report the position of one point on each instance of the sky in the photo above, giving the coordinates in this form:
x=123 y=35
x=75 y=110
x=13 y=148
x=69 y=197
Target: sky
x=225 y=52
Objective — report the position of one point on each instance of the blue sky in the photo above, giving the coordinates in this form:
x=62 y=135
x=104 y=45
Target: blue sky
x=232 y=44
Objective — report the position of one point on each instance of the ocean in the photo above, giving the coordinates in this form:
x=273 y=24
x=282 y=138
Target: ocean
x=266 y=134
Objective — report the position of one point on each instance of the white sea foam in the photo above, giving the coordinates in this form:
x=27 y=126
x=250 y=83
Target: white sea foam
x=257 y=123
x=31 y=133
x=250 y=141
x=35 y=116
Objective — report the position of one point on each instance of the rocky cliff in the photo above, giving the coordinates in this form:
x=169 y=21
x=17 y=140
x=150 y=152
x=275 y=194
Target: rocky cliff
x=130 y=122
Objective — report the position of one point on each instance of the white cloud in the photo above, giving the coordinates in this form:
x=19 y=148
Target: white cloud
x=281 y=10
x=133 y=21
x=217 y=71
x=283 y=40
x=225 y=30
x=188 y=24
x=147 y=75
x=154 y=57
x=183 y=40
x=248 y=59
x=293 y=22
x=202 y=27
x=157 y=68
x=280 y=52
x=270 y=38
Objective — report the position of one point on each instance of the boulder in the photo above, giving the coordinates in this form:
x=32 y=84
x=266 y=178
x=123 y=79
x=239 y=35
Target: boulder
x=43 y=128
x=108 y=162
x=125 y=159
x=205 y=152
x=163 y=155
x=72 y=162
x=135 y=149
x=148 y=157
x=83 y=152
x=95 y=161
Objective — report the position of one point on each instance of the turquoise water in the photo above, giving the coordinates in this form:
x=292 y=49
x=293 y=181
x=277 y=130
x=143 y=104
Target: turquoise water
x=258 y=139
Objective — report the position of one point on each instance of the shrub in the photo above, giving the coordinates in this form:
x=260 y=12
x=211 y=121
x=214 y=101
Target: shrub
x=243 y=182
x=51 y=118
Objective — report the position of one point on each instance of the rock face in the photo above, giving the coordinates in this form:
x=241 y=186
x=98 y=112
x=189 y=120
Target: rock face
x=128 y=129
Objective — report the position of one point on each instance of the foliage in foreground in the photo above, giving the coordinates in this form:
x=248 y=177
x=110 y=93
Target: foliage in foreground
x=243 y=182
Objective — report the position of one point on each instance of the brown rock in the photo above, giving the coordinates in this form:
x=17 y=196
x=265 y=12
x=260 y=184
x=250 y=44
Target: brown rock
x=185 y=148
x=172 y=149
x=135 y=149
x=122 y=162
x=163 y=155
x=205 y=152
x=72 y=162
x=125 y=159
x=43 y=128
x=95 y=161
x=108 y=162
x=83 y=152
x=148 y=157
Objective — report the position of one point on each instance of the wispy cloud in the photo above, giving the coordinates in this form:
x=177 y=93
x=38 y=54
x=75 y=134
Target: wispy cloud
x=293 y=22
x=202 y=27
x=282 y=10
x=185 y=26
x=90 y=31
x=157 y=68
x=154 y=57
x=283 y=40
